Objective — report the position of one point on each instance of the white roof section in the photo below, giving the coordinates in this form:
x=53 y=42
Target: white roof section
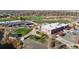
x=53 y=25
x=14 y=21
x=2 y=22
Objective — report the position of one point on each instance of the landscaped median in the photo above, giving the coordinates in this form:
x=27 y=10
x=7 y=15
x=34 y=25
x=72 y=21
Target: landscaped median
x=42 y=38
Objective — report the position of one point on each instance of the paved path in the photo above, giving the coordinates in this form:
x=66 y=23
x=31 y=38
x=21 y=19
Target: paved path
x=64 y=41
x=33 y=32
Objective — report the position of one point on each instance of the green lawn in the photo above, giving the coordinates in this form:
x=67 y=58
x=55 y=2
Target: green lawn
x=33 y=18
x=6 y=19
x=40 y=19
x=10 y=18
x=23 y=31
x=37 y=19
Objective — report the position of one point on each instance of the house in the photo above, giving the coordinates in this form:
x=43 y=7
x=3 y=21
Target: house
x=53 y=28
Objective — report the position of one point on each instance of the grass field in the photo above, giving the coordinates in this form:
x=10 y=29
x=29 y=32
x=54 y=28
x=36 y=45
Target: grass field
x=37 y=19
x=23 y=31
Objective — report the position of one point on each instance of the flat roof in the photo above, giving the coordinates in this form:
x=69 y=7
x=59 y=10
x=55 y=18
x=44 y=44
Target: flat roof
x=15 y=22
x=53 y=25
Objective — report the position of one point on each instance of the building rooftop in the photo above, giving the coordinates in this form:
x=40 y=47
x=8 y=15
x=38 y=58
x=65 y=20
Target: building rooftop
x=53 y=25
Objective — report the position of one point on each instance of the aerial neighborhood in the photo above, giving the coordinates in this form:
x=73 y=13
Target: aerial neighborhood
x=39 y=29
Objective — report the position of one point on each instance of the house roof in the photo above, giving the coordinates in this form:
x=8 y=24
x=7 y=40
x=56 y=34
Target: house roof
x=53 y=25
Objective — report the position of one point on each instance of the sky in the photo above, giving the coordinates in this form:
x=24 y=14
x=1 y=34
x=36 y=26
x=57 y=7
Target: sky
x=39 y=4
